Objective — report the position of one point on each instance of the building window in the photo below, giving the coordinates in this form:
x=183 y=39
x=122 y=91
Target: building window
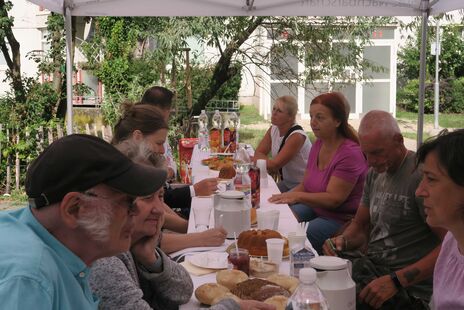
x=380 y=57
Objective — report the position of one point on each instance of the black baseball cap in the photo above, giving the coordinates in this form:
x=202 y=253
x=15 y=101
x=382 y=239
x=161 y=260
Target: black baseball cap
x=78 y=162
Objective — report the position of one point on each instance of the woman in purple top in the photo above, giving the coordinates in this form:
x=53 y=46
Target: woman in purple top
x=332 y=187
x=442 y=188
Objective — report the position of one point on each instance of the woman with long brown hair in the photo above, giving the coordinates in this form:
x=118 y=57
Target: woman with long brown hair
x=332 y=187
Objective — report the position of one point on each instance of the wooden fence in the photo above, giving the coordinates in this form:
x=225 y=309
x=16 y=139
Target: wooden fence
x=19 y=146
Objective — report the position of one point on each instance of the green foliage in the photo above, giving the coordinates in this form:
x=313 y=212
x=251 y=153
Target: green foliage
x=451 y=99
x=127 y=61
x=456 y=105
x=451 y=60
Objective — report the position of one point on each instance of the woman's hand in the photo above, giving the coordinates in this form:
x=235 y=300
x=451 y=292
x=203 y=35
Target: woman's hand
x=144 y=250
x=213 y=236
x=288 y=198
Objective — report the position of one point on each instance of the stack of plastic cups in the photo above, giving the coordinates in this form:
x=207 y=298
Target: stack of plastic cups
x=261 y=164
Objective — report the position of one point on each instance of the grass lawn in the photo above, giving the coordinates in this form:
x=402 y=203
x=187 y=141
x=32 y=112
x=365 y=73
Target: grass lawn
x=251 y=136
x=444 y=120
x=250 y=115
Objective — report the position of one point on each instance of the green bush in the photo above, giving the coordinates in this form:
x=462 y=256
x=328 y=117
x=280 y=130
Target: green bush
x=451 y=96
x=457 y=93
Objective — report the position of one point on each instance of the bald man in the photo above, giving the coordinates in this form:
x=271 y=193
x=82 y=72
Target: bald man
x=394 y=270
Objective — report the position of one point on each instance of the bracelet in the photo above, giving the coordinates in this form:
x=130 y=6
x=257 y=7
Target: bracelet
x=395 y=280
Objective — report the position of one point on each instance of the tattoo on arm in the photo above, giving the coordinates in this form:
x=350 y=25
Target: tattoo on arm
x=411 y=274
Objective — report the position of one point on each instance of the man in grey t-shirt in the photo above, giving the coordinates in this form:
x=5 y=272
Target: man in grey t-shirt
x=400 y=249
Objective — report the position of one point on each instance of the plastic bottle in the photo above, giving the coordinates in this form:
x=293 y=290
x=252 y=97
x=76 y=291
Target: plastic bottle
x=242 y=181
x=215 y=133
x=203 y=135
x=307 y=296
x=231 y=133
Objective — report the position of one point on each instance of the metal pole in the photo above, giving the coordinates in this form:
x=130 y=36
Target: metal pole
x=437 y=78
x=423 y=50
x=69 y=57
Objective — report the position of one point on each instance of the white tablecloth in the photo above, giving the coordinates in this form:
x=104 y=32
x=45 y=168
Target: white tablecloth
x=287 y=221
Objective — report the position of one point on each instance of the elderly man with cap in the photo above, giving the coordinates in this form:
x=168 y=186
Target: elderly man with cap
x=81 y=192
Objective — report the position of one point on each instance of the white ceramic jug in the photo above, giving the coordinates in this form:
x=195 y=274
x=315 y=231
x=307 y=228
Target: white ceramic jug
x=232 y=211
x=334 y=280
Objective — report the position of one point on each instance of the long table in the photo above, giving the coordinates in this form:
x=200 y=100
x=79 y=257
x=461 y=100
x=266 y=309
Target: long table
x=287 y=221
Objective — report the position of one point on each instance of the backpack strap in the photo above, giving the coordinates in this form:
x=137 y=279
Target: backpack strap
x=292 y=129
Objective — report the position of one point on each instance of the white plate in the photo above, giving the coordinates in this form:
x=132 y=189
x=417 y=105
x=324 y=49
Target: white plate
x=211 y=260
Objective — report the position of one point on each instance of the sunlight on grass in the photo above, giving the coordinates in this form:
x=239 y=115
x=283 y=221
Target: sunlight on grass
x=249 y=114
x=444 y=120
x=251 y=136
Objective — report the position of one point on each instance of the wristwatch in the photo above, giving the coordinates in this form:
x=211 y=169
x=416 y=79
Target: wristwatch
x=395 y=280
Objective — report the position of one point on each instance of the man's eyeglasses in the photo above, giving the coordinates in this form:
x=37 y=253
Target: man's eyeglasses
x=130 y=202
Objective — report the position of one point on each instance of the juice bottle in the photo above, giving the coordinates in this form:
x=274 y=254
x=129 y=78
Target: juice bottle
x=231 y=133
x=215 y=133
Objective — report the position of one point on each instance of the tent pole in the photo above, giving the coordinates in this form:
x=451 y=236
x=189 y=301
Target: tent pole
x=69 y=71
x=423 y=51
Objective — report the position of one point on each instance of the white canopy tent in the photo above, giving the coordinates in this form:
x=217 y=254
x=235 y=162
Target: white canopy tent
x=422 y=8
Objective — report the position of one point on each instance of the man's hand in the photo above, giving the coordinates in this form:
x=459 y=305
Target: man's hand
x=288 y=198
x=254 y=305
x=144 y=250
x=332 y=246
x=378 y=291
x=213 y=237
x=206 y=187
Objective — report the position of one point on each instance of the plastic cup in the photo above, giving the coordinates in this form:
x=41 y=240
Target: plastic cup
x=240 y=260
x=202 y=216
x=261 y=164
x=275 y=249
x=268 y=219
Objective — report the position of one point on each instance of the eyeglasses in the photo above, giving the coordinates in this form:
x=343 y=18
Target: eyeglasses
x=130 y=202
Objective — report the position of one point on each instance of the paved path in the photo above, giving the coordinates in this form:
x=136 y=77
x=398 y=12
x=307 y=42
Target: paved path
x=406 y=126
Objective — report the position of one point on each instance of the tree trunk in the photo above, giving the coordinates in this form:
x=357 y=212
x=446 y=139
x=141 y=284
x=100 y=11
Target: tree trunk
x=14 y=60
x=223 y=71
x=62 y=106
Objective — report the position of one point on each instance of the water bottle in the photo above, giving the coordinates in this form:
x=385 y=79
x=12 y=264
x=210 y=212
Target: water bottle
x=203 y=135
x=215 y=133
x=242 y=181
x=307 y=295
x=231 y=133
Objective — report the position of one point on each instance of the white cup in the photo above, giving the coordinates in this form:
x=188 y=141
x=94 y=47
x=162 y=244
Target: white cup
x=268 y=219
x=202 y=215
x=295 y=240
x=261 y=164
x=275 y=248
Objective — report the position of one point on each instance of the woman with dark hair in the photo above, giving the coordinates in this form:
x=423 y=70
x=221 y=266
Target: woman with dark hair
x=442 y=188
x=144 y=125
x=332 y=187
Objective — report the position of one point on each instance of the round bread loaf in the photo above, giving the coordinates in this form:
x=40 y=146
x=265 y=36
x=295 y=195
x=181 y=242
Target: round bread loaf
x=255 y=241
x=230 y=278
x=226 y=296
x=208 y=292
x=268 y=291
x=279 y=301
x=287 y=282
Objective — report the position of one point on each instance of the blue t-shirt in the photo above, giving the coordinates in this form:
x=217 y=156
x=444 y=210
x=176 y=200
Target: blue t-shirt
x=36 y=270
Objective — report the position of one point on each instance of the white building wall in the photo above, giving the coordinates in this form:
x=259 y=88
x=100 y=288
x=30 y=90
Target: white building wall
x=27 y=34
